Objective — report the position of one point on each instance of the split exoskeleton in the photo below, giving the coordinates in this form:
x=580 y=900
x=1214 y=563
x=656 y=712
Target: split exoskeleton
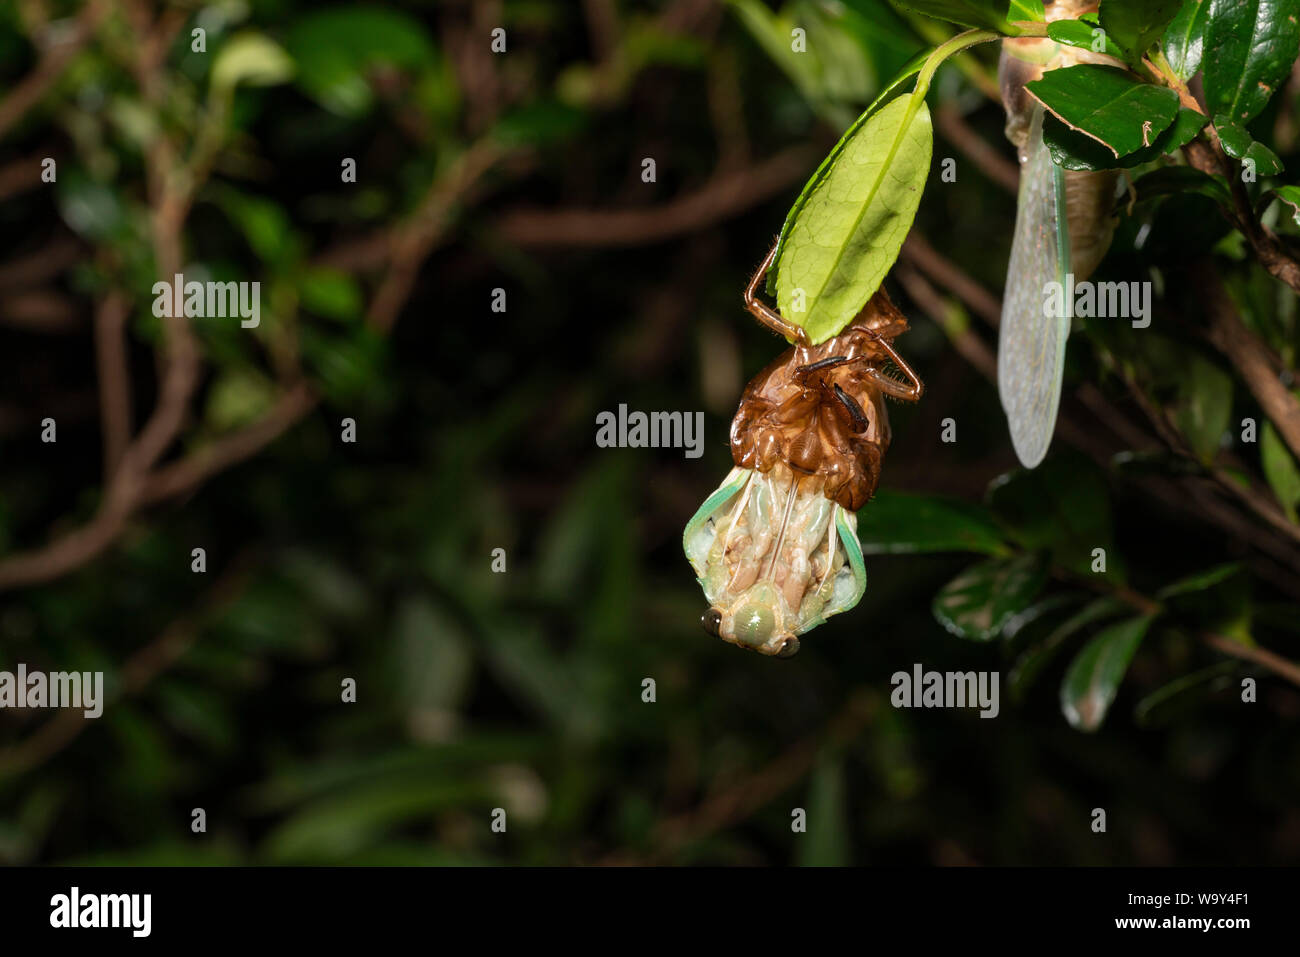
x=775 y=546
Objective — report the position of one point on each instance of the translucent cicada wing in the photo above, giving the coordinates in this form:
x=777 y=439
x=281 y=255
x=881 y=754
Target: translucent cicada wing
x=1035 y=322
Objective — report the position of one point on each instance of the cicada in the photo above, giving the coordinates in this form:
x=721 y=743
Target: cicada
x=776 y=547
x=1063 y=224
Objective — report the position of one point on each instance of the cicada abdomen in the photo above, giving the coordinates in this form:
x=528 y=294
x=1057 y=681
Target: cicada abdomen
x=775 y=547
x=1063 y=226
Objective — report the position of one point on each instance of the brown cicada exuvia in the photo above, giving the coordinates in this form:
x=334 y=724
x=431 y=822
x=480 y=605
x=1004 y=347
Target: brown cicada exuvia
x=775 y=546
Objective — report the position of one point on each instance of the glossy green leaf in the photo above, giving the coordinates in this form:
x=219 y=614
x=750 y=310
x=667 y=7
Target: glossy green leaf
x=1239 y=144
x=1280 y=469
x=980 y=601
x=1184 y=39
x=1063 y=507
x=1199 y=582
x=1077 y=33
x=969 y=13
x=1136 y=24
x=1038 y=656
x=1216 y=599
x=904 y=523
x=1172 y=180
x=1093 y=678
x=1181 y=696
x=1107 y=104
x=1073 y=150
x=1290 y=196
x=1254 y=43
x=848 y=232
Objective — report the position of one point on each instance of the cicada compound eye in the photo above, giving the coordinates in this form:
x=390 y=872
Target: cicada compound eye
x=712 y=622
x=789 y=649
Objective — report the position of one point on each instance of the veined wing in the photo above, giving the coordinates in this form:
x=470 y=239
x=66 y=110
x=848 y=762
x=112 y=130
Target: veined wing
x=1031 y=340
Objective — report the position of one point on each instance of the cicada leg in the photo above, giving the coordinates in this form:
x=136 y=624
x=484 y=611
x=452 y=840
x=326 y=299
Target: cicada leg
x=909 y=391
x=765 y=313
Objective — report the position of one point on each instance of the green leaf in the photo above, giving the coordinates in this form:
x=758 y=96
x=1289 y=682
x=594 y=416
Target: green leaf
x=1026 y=10
x=91 y=209
x=828 y=840
x=330 y=293
x=910 y=70
x=980 y=601
x=1178 y=698
x=238 y=397
x=540 y=124
x=849 y=231
x=1290 y=195
x=1184 y=40
x=265 y=225
x=251 y=59
x=1063 y=507
x=1199 y=582
x=1254 y=43
x=1077 y=33
x=895 y=523
x=1093 y=678
x=1073 y=150
x=1170 y=180
x=1107 y=104
x=1217 y=599
x=1239 y=144
x=1135 y=24
x=969 y=13
x=1280 y=470
x=1204 y=405
x=336 y=47
x=432 y=665
x=1035 y=658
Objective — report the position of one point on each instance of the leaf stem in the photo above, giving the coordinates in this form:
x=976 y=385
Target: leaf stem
x=943 y=51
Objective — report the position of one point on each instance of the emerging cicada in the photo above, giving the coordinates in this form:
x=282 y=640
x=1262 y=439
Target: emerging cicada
x=775 y=547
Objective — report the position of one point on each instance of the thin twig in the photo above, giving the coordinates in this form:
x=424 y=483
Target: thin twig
x=722 y=197
x=114 y=378
x=415 y=240
x=1254 y=361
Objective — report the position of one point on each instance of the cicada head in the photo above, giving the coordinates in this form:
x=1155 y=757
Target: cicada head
x=775 y=557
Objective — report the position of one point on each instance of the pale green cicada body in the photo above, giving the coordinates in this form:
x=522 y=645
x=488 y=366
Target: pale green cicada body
x=775 y=558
